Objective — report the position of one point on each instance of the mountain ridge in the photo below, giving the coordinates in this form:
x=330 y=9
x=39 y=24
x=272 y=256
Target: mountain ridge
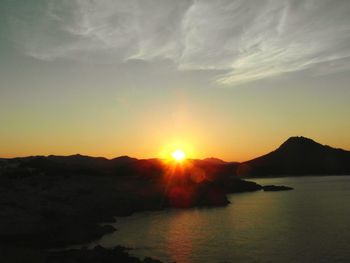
x=297 y=155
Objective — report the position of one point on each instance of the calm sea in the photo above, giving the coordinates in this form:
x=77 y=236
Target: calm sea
x=308 y=224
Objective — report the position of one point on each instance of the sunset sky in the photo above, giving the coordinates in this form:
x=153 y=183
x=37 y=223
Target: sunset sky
x=229 y=79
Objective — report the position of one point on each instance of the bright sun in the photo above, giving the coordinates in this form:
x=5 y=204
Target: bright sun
x=178 y=155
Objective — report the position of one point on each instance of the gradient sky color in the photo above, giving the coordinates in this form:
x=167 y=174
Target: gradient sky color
x=230 y=79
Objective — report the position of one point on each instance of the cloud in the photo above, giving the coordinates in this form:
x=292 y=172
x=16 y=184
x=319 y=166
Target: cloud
x=248 y=39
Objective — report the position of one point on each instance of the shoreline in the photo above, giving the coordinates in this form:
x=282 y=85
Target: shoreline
x=63 y=203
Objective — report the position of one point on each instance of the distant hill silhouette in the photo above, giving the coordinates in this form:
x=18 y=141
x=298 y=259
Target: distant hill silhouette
x=214 y=160
x=300 y=156
x=119 y=166
x=296 y=156
x=77 y=164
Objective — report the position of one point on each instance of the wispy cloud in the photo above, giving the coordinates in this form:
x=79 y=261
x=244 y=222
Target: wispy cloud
x=249 y=39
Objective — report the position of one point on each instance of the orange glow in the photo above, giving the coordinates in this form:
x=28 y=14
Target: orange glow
x=177 y=151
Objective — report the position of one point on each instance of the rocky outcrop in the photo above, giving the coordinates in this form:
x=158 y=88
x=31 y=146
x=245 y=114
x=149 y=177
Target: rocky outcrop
x=273 y=188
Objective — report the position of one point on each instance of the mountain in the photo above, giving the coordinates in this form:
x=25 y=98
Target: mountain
x=300 y=156
x=214 y=160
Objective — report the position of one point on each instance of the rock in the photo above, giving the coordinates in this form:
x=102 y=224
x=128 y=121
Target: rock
x=274 y=188
x=235 y=185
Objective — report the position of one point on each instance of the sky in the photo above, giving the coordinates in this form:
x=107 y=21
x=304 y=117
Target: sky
x=218 y=78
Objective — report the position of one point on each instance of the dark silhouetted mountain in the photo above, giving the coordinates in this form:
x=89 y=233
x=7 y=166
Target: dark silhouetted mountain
x=121 y=160
x=296 y=156
x=300 y=156
x=214 y=160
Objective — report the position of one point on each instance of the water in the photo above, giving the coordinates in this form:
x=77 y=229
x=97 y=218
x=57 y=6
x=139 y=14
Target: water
x=308 y=224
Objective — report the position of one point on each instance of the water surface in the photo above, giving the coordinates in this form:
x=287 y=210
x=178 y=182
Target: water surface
x=308 y=224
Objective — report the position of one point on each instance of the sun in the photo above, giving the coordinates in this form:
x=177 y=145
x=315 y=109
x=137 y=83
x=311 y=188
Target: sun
x=178 y=155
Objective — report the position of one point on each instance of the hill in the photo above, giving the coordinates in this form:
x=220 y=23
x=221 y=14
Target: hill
x=300 y=156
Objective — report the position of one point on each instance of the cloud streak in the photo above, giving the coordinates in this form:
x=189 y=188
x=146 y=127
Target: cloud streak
x=249 y=39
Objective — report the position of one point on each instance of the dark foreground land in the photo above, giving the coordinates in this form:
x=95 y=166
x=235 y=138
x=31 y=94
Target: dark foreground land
x=55 y=202
x=84 y=255
x=58 y=201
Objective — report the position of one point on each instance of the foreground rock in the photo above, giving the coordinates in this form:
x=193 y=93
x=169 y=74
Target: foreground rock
x=275 y=188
